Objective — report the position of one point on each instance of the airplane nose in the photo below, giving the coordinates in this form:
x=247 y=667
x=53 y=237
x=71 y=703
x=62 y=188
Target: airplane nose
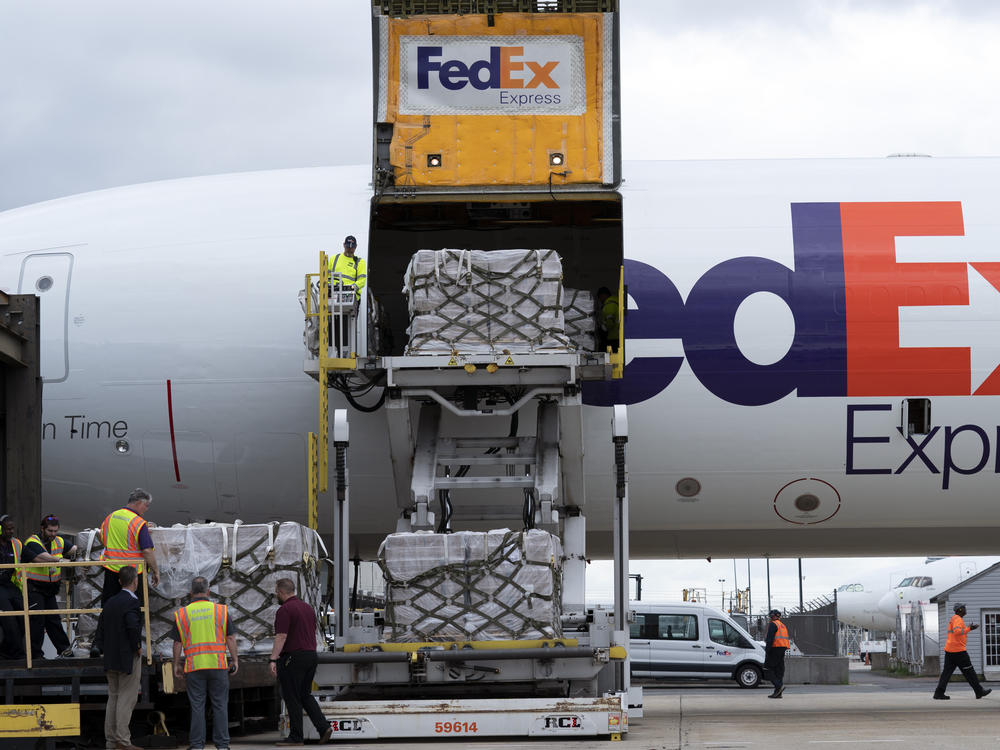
x=891 y=600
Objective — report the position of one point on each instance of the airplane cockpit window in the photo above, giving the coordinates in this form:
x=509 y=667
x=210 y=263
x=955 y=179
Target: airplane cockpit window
x=924 y=581
x=906 y=582
x=851 y=587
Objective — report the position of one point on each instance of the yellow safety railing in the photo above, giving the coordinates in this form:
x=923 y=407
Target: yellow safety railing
x=618 y=355
x=319 y=449
x=28 y=613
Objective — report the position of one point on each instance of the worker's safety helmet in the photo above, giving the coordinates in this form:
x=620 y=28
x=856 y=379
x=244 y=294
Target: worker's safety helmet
x=958 y=607
x=774 y=613
x=350 y=241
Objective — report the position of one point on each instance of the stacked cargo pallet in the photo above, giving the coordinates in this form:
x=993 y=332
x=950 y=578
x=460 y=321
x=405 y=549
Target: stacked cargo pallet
x=469 y=585
x=242 y=562
x=478 y=301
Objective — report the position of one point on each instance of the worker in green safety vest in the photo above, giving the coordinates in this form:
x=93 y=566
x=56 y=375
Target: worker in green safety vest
x=11 y=588
x=352 y=269
x=203 y=631
x=42 y=585
x=608 y=318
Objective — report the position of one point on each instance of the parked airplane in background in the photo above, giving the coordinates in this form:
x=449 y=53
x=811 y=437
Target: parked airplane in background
x=872 y=602
x=813 y=350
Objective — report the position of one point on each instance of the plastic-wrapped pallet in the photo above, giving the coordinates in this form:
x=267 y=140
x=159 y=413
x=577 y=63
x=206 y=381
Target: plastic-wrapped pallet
x=481 y=301
x=242 y=563
x=578 y=314
x=495 y=585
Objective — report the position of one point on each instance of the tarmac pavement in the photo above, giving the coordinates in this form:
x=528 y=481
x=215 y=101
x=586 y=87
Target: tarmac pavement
x=874 y=711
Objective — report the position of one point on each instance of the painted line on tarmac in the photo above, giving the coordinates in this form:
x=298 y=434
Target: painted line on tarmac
x=848 y=742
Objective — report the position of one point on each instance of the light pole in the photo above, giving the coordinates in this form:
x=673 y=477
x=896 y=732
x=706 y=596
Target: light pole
x=722 y=588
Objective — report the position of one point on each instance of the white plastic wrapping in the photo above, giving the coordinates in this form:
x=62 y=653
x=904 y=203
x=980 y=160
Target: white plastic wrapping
x=481 y=301
x=469 y=585
x=242 y=563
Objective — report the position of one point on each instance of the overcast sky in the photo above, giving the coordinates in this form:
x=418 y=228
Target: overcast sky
x=103 y=93
x=665 y=580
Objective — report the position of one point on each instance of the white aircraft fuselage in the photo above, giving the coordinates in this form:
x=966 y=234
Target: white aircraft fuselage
x=780 y=313
x=873 y=601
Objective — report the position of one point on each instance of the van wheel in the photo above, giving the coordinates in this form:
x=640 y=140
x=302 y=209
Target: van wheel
x=748 y=676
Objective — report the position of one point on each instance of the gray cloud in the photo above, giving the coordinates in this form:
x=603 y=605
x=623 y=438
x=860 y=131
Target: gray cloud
x=112 y=92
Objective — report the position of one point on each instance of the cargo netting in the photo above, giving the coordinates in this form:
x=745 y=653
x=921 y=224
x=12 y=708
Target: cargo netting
x=494 y=585
x=485 y=301
x=579 y=320
x=242 y=563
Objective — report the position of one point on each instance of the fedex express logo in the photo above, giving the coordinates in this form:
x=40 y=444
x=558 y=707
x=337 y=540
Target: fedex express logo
x=492 y=75
x=854 y=305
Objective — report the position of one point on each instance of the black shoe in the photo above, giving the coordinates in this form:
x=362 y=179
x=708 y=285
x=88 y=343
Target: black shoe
x=942 y=697
x=983 y=694
x=95 y=652
x=774 y=695
x=779 y=691
x=327 y=734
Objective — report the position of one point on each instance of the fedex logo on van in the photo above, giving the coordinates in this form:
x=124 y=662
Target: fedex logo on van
x=491 y=75
x=865 y=323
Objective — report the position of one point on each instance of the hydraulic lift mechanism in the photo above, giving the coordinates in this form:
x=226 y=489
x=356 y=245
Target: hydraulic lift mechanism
x=492 y=435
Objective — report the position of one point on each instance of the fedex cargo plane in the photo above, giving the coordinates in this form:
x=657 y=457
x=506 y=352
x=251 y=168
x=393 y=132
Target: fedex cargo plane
x=813 y=350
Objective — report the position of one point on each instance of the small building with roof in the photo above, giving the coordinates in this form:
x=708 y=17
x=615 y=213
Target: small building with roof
x=981 y=596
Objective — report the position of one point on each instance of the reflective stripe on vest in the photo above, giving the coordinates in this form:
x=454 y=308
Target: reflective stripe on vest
x=781 y=637
x=17 y=576
x=958 y=631
x=202 y=626
x=45 y=574
x=120 y=534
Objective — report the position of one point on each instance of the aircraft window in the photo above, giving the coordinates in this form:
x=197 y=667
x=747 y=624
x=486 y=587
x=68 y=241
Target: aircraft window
x=906 y=582
x=851 y=587
x=925 y=581
x=677 y=628
x=724 y=633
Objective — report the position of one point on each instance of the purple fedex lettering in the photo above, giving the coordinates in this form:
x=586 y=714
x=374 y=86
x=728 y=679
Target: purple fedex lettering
x=455 y=74
x=816 y=363
x=426 y=65
x=660 y=315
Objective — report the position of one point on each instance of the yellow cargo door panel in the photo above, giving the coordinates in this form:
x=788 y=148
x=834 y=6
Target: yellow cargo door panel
x=521 y=100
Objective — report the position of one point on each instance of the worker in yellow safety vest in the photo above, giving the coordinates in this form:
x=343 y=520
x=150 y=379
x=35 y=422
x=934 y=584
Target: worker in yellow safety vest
x=126 y=539
x=956 y=655
x=203 y=631
x=11 y=587
x=607 y=318
x=777 y=643
x=42 y=585
x=352 y=269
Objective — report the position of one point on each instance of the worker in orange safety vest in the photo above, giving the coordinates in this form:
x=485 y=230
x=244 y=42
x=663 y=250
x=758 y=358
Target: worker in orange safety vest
x=777 y=643
x=955 y=655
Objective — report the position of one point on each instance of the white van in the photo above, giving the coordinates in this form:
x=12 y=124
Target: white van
x=688 y=640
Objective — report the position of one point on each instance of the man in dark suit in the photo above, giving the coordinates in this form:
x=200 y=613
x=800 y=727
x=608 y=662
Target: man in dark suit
x=121 y=641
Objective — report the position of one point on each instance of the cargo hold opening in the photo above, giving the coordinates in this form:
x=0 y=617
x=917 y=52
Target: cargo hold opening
x=586 y=231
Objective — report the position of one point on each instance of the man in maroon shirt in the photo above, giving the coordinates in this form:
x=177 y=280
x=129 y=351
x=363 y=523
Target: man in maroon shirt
x=293 y=661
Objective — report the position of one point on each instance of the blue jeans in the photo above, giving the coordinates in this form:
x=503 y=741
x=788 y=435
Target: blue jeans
x=213 y=683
